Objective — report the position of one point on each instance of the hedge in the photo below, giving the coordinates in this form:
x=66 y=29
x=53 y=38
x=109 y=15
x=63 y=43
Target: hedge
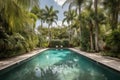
x=59 y=43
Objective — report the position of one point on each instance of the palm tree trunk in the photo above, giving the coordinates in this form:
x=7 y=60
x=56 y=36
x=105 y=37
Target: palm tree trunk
x=69 y=31
x=79 y=19
x=113 y=21
x=79 y=10
x=96 y=26
x=115 y=13
x=91 y=37
x=116 y=19
x=49 y=32
x=41 y=23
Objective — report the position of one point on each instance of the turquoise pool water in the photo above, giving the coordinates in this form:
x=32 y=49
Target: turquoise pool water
x=60 y=64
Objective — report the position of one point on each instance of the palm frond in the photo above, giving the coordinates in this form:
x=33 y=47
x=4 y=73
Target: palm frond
x=27 y=3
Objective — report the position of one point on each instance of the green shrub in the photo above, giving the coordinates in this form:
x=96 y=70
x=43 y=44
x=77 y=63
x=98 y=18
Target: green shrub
x=42 y=42
x=84 y=40
x=11 y=46
x=65 y=43
x=54 y=43
x=113 y=41
x=75 y=41
x=59 y=43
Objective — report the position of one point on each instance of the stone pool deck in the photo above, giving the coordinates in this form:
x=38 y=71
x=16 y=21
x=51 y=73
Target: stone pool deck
x=111 y=62
x=11 y=61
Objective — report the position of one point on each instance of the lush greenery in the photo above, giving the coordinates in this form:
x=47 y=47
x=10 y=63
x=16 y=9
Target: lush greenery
x=59 y=36
x=112 y=47
x=59 y=43
x=93 y=25
x=18 y=32
x=96 y=25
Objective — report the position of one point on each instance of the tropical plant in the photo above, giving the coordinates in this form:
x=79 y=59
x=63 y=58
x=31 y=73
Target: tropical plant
x=70 y=16
x=75 y=3
x=50 y=16
x=96 y=25
x=15 y=16
x=112 y=8
x=113 y=41
x=13 y=24
x=39 y=13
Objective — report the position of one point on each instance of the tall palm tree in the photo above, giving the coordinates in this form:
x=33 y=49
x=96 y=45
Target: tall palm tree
x=41 y=16
x=70 y=16
x=89 y=20
x=39 y=13
x=79 y=4
x=50 y=16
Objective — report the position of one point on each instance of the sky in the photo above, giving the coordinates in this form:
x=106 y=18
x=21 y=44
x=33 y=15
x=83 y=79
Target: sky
x=57 y=5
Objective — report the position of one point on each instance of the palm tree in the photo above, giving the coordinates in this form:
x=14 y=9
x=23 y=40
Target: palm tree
x=96 y=25
x=89 y=20
x=50 y=16
x=41 y=16
x=39 y=13
x=70 y=16
x=78 y=5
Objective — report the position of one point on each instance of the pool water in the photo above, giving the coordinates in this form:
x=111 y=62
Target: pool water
x=60 y=64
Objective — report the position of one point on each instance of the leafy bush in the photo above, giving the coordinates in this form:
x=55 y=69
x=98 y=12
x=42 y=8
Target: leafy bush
x=54 y=43
x=75 y=41
x=65 y=43
x=16 y=44
x=42 y=42
x=11 y=46
x=113 y=41
x=84 y=40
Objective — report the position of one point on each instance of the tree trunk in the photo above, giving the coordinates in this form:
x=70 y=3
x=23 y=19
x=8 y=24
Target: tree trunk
x=79 y=18
x=115 y=13
x=91 y=37
x=69 y=31
x=49 y=32
x=41 y=23
x=69 y=28
x=116 y=18
x=96 y=25
x=79 y=10
x=113 y=21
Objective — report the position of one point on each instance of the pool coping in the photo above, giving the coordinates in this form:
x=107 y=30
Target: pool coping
x=110 y=62
x=15 y=60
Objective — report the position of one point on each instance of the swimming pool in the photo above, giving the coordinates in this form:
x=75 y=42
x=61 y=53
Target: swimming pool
x=60 y=64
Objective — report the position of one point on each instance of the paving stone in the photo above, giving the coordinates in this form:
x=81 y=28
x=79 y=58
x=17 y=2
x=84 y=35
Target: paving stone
x=113 y=63
x=11 y=61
